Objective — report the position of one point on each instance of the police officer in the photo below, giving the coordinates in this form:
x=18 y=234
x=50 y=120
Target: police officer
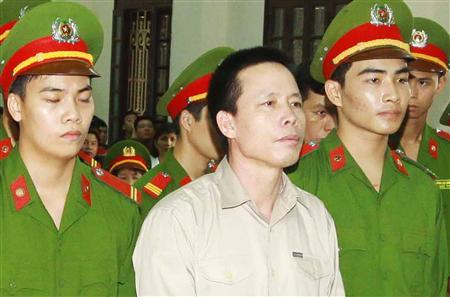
x=388 y=212
x=66 y=229
x=128 y=159
x=185 y=102
x=430 y=45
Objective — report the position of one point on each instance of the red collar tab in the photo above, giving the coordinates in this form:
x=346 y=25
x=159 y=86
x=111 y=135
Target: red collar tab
x=433 y=147
x=116 y=183
x=41 y=51
x=398 y=163
x=5 y=147
x=86 y=189
x=365 y=36
x=157 y=184
x=4 y=30
x=443 y=134
x=20 y=193
x=88 y=159
x=195 y=91
x=337 y=158
x=308 y=147
x=185 y=180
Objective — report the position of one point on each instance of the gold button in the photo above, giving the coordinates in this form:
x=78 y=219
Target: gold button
x=337 y=158
x=433 y=148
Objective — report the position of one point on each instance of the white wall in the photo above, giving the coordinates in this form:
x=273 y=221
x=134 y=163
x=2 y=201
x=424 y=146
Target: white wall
x=199 y=25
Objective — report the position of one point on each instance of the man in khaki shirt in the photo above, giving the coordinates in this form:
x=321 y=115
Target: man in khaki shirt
x=245 y=229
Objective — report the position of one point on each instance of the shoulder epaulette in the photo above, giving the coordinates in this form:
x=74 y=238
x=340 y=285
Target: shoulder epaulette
x=405 y=158
x=157 y=184
x=119 y=185
x=5 y=147
x=308 y=148
x=443 y=134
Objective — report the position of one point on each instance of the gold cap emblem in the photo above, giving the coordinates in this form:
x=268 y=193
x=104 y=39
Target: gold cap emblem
x=129 y=151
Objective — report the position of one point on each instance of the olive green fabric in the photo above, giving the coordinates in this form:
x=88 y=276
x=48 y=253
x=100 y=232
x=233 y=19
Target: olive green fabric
x=168 y=166
x=392 y=242
x=3 y=133
x=206 y=63
x=445 y=118
x=11 y=10
x=37 y=23
x=90 y=254
x=439 y=166
x=354 y=14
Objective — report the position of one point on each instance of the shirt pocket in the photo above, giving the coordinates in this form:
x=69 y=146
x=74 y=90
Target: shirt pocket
x=313 y=267
x=225 y=270
x=414 y=255
x=96 y=280
x=26 y=282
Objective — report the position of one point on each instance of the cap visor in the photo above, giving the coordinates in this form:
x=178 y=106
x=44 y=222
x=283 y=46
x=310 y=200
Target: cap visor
x=63 y=67
x=426 y=66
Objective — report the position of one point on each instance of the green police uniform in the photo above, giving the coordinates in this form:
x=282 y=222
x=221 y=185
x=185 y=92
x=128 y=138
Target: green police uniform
x=392 y=242
x=189 y=87
x=161 y=180
x=90 y=254
x=430 y=45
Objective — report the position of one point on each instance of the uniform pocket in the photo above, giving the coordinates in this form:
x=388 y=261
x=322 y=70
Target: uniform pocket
x=96 y=281
x=225 y=270
x=27 y=282
x=414 y=255
x=313 y=267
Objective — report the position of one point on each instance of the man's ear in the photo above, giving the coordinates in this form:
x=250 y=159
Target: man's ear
x=225 y=122
x=15 y=106
x=334 y=92
x=186 y=120
x=441 y=83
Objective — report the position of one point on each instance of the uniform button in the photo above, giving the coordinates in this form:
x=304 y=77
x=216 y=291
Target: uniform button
x=61 y=283
x=12 y=284
x=385 y=276
x=382 y=238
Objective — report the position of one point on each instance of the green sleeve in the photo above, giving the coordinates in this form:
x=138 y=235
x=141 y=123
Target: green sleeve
x=127 y=285
x=439 y=255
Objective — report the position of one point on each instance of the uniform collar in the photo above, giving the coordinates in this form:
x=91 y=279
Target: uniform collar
x=233 y=194
x=25 y=200
x=175 y=169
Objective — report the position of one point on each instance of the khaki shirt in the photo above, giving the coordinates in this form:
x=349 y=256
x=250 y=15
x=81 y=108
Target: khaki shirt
x=207 y=238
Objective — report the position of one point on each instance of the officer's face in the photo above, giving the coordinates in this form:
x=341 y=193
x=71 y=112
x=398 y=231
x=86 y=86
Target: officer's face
x=374 y=98
x=165 y=142
x=90 y=145
x=424 y=86
x=129 y=175
x=55 y=114
x=145 y=130
x=269 y=124
x=319 y=122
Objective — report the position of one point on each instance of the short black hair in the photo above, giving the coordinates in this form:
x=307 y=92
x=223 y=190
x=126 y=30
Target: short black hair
x=141 y=118
x=194 y=108
x=19 y=85
x=98 y=122
x=165 y=128
x=305 y=81
x=225 y=89
x=340 y=72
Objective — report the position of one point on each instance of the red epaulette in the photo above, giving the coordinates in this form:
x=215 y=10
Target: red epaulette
x=157 y=184
x=5 y=147
x=443 y=134
x=116 y=183
x=308 y=147
x=89 y=160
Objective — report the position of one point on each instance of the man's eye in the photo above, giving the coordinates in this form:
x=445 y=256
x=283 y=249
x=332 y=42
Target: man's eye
x=423 y=82
x=403 y=81
x=297 y=104
x=374 y=80
x=269 y=103
x=52 y=100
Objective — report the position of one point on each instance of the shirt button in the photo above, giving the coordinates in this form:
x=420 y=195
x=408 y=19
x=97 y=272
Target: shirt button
x=229 y=275
x=272 y=271
x=12 y=284
x=61 y=283
x=385 y=276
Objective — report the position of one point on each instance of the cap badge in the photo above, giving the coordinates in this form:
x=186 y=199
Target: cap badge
x=129 y=151
x=419 y=38
x=382 y=15
x=65 y=31
x=22 y=12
